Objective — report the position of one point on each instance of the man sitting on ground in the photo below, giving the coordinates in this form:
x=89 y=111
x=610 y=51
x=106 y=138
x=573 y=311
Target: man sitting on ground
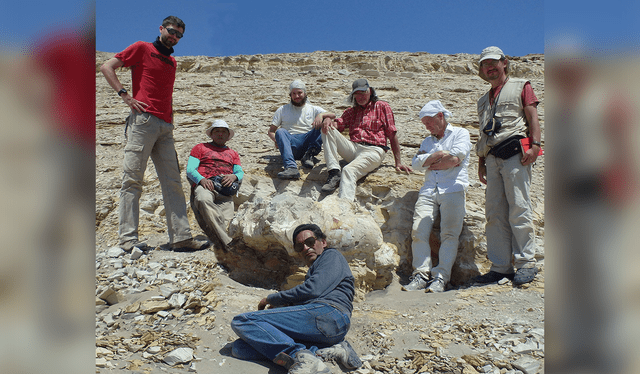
x=316 y=313
x=295 y=129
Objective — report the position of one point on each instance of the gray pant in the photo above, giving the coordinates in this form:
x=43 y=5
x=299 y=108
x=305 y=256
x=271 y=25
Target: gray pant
x=146 y=136
x=216 y=210
x=509 y=228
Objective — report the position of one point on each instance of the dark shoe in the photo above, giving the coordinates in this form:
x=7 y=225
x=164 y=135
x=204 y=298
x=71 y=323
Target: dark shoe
x=289 y=173
x=308 y=160
x=343 y=354
x=524 y=275
x=492 y=277
x=418 y=282
x=332 y=182
x=437 y=285
x=190 y=245
x=129 y=244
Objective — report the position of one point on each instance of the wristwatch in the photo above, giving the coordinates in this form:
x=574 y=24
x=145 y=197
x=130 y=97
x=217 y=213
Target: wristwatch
x=537 y=143
x=122 y=91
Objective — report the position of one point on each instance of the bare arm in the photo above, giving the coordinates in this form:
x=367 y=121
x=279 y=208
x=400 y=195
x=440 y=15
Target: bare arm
x=108 y=69
x=482 y=170
x=272 y=134
x=395 y=148
x=531 y=112
x=317 y=122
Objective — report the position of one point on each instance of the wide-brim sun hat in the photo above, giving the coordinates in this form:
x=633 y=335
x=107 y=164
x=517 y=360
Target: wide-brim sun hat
x=220 y=123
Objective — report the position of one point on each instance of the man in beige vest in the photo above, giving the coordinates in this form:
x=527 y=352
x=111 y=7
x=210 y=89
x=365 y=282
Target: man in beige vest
x=507 y=113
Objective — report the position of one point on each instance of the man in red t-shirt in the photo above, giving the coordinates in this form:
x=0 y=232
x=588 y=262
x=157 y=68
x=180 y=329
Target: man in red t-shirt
x=215 y=173
x=149 y=133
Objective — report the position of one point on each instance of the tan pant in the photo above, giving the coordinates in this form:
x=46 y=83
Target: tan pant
x=216 y=210
x=148 y=136
x=362 y=160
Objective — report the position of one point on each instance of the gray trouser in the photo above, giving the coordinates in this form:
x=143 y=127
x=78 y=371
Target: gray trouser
x=147 y=135
x=509 y=228
x=216 y=210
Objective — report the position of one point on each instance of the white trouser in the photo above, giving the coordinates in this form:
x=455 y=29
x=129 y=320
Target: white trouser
x=362 y=160
x=451 y=207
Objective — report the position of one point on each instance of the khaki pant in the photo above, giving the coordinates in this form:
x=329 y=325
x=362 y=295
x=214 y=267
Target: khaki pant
x=362 y=160
x=509 y=228
x=148 y=136
x=216 y=210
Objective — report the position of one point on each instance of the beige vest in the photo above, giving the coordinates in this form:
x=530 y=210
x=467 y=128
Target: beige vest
x=510 y=112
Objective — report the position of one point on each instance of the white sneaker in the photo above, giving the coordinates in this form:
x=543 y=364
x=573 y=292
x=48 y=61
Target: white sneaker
x=418 y=282
x=306 y=362
x=437 y=285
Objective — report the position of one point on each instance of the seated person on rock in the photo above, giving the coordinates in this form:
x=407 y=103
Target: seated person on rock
x=295 y=129
x=215 y=174
x=315 y=314
x=371 y=124
x=444 y=157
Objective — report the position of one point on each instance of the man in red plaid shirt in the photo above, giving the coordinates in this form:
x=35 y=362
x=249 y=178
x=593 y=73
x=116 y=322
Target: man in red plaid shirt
x=370 y=124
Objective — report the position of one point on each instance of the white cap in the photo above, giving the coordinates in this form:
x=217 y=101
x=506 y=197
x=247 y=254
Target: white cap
x=220 y=123
x=297 y=84
x=432 y=108
x=493 y=53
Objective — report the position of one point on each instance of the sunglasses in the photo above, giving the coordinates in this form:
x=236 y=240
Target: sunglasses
x=174 y=32
x=309 y=242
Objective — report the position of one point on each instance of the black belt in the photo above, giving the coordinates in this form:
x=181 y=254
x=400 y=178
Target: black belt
x=374 y=145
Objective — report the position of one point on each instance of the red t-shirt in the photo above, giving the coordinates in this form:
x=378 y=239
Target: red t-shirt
x=215 y=160
x=528 y=96
x=152 y=76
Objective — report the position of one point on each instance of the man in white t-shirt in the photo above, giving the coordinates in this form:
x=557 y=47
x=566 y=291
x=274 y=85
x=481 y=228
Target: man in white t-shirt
x=295 y=129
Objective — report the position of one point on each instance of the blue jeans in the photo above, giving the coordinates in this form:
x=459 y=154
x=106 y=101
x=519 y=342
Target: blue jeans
x=266 y=333
x=293 y=147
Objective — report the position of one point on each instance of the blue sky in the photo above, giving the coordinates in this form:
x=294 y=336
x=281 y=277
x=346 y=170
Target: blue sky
x=216 y=28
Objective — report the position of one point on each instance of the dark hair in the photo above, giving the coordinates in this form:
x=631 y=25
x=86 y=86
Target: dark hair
x=173 y=20
x=317 y=232
x=373 y=98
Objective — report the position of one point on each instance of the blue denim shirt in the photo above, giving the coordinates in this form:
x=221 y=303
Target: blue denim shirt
x=328 y=281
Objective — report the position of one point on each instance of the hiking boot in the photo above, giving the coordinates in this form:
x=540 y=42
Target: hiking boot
x=343 y=354
x=129 y=244
x=308 y=160
x=524 y=275
x=289 y=173
x=306 y=362
x=332 y=182
x=437 y=285
x=492 y=277
x=190 y=245
x=418 y=282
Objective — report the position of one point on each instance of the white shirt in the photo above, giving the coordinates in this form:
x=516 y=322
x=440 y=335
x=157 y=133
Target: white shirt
x=295 y=119
x=456 y=140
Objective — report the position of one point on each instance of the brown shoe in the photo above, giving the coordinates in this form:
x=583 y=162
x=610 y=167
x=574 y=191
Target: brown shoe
x=190 y=245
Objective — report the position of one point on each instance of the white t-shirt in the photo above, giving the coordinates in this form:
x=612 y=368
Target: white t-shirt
x=295 y=119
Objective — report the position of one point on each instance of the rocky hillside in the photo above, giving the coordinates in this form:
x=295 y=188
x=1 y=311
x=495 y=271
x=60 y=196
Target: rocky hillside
x=459 y=331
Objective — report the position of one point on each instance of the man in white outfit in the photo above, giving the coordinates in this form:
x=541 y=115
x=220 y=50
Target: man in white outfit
x=444 y=156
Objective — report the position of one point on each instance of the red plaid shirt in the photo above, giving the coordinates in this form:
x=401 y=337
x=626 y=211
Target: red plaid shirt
x=372 y=123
